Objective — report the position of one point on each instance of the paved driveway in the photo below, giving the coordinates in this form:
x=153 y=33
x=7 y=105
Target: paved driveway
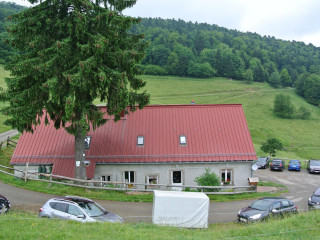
x=300 y=185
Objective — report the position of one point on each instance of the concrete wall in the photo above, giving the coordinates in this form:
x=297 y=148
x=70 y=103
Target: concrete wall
x=31 y=169
x=241 y=171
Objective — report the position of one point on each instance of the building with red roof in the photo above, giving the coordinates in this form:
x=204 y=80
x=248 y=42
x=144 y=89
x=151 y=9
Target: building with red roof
x=163 y=144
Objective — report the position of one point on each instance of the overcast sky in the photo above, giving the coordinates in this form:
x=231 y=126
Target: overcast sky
x=285 y=19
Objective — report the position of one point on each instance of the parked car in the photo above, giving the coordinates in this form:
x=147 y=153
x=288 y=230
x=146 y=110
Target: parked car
x=314 y=166
x=277 y=164
x=78 y=209
x=314 y=200
x=4 y=204
x=264 y=208
x=262 y=162
x=294 y=165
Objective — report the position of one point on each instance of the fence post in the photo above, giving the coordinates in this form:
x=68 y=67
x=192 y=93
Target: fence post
x=26 y=172
x=50 y=180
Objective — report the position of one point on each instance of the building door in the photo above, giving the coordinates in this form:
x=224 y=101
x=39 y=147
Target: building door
x=176 y=180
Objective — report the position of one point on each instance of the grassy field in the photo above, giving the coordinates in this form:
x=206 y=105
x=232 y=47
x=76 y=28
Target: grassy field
x=20 y=225
x=300 y=137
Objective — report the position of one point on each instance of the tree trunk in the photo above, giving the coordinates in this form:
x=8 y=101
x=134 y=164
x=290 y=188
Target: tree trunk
x=80 y=169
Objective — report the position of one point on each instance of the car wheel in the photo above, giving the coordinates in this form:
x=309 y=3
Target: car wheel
x=4 y=209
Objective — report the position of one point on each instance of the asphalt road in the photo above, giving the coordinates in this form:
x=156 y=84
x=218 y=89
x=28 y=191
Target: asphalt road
x=300 y=185
x=4 y=136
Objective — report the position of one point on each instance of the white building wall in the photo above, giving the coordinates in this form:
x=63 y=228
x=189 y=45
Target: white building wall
x=241 y=171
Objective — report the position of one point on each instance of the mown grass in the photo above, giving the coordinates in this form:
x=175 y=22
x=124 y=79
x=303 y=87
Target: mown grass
x=26 y=226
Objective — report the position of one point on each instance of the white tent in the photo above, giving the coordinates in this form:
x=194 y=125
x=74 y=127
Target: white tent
x=180 y=209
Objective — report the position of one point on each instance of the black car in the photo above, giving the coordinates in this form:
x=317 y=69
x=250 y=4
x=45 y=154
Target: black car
x=277 y=164
x=314 y=166
x=262 y=162
x=314 y=200
x=4 y=204
x=264 y=208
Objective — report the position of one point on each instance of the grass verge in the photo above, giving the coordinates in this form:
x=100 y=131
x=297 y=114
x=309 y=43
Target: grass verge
x=21 y=225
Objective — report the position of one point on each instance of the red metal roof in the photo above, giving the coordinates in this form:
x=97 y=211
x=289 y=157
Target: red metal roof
x=213 y=133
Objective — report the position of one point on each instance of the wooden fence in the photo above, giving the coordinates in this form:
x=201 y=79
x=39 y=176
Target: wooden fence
x=121 y=186
x=9 y=143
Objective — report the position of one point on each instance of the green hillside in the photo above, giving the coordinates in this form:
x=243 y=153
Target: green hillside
x=300 y=137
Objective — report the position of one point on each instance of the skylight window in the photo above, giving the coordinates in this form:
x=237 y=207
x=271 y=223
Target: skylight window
x=183 y=140
x=140 y=141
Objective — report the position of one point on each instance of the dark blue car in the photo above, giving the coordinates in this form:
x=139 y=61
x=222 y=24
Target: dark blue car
x=294 y=165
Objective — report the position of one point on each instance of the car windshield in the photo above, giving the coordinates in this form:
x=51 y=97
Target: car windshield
x=261 y=205
x=317 y=192
x=294 y=162
x=91 y=209
x=261 y=160
x=315 y=163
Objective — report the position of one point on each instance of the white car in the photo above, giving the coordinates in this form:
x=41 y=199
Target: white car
x=78 y=209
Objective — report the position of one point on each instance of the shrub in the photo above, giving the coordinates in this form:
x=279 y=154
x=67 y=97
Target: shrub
x=283 y=107
x=208 y=179
x=271 y=146
x=154 y=70
x=304 y=113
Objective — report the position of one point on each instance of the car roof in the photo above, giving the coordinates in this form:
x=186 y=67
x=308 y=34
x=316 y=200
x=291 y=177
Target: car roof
x=1 y=196
x=273 y=198
x=77 y=199
x=73 y=199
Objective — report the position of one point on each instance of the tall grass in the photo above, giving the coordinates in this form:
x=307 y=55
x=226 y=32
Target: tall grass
x=19 y=225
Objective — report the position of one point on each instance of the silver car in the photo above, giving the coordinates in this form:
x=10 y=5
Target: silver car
x=78 y=209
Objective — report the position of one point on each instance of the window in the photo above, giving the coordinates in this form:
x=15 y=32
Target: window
x=177 y=177
x=106 y=178
x=276 y=205
x=140 y=141
x=285 y=204
x=152 y=179
x=226 y=176
x=73 y=210
x=63 y=207
x=183 y=140
x=129 y=176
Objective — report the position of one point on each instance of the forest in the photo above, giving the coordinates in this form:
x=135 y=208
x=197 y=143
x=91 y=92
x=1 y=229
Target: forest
x=202 y=50
x=6 y=10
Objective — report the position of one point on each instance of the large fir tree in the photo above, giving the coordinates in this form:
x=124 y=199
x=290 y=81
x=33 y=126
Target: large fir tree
x=73 y=52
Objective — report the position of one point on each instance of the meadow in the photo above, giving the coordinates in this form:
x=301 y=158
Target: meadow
x=22 y=225
x=299 y=137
